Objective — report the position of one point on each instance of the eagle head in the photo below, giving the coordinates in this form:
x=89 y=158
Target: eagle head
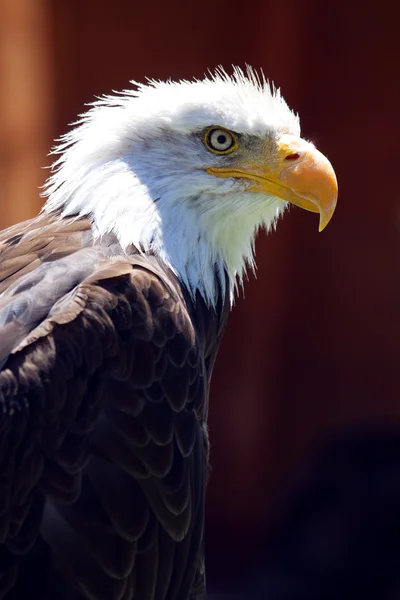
x=190 y=171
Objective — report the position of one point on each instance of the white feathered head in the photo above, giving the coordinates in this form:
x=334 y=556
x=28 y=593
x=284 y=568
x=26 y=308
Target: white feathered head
x=190 y=171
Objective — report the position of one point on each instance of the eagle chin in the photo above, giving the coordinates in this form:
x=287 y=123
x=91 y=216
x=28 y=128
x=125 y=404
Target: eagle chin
x=113 y=302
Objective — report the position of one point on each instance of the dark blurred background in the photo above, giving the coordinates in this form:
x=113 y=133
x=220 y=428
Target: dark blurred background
x=304 y=496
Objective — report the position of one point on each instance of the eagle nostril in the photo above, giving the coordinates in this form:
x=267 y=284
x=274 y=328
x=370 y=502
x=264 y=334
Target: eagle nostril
x=293 y=156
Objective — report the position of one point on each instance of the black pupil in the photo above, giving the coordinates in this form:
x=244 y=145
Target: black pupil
x=221 y=139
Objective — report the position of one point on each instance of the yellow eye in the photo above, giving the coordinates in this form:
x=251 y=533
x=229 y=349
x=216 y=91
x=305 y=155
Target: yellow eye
x=220 y=141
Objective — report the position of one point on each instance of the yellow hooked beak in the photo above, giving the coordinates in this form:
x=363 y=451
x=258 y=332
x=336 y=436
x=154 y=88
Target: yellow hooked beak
x=297 y=173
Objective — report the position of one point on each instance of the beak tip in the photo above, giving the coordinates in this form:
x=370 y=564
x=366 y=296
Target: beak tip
x=326 y=216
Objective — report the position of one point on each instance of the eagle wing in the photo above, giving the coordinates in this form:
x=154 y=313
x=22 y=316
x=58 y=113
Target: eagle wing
x=103 y=399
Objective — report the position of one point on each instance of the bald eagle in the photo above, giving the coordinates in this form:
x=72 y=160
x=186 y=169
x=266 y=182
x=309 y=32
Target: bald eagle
x=113 y=301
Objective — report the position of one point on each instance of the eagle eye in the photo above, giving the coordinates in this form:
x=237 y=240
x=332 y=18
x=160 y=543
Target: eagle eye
x=220 y=140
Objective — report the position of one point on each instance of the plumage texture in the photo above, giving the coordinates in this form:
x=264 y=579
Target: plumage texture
x=102 y=426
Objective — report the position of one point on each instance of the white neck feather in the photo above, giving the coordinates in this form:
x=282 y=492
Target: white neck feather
x=197 y=246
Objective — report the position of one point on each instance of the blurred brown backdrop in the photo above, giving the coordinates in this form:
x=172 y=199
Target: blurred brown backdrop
x=315 y=344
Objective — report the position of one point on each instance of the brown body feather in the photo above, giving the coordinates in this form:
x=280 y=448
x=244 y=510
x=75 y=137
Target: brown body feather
x=105 y=365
